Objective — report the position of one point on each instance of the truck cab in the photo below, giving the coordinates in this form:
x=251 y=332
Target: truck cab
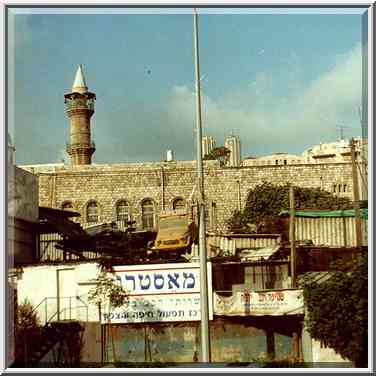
x=176 y=232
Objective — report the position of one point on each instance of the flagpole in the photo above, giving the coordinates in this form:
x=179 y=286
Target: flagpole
x=205 y=352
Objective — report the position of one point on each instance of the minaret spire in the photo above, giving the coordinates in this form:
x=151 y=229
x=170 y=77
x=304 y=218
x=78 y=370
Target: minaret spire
x=79 y=84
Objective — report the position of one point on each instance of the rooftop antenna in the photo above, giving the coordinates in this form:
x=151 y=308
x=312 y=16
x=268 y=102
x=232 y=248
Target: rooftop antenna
x=341 y=128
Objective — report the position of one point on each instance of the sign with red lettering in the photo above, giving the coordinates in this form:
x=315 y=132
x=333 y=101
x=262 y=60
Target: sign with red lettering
x=256 y=303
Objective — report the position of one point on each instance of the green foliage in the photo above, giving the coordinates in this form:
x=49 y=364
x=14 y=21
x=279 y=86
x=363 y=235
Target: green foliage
x=25 y=317
x=266 y=200
x=220 y=153
x=108 y=290
x=338 y=310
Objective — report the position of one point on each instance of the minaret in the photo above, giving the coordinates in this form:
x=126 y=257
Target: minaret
x=79 y=107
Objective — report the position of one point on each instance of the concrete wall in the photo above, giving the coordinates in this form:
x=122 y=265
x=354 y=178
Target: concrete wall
x=227 y=187
x=229 y=342
x=22 y=216
x=22 y=194
x=315 y=353
x=321 y=354
x=22 y=242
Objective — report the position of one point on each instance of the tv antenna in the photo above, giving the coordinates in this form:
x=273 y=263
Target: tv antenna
x=341 y=128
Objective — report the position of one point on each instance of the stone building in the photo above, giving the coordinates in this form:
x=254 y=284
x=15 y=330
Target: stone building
x=138 y=191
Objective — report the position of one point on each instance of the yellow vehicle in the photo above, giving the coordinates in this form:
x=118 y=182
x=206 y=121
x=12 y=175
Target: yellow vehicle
x=176 y=232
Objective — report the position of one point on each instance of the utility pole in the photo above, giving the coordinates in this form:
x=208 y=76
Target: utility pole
x=292 y=237
x=358 y=224
x=296 y=335
x=205 y=352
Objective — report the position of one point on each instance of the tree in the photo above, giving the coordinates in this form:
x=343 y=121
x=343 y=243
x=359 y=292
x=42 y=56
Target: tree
x=108 y=289
x=337 y=310
x=108 y=293
x=26 y=321
x=219 y=153
x=266 y=200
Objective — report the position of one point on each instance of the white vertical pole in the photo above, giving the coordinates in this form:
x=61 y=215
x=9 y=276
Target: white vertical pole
x=205 y=352
x=355 y=182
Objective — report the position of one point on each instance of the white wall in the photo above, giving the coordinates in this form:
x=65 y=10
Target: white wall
x=40 y=282
x=321 y=354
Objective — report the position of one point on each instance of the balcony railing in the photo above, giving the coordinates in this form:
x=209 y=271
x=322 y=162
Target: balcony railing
x=70 y=147
x=79 y=103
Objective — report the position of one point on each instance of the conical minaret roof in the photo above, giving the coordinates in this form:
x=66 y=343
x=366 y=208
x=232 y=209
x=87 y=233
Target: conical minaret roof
x=79 y=84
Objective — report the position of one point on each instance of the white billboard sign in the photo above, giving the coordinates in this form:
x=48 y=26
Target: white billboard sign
x=160 y=293
x=252 y=303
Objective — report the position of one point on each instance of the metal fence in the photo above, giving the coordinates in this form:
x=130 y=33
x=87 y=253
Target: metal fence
x=52 y=309
x=48 y=252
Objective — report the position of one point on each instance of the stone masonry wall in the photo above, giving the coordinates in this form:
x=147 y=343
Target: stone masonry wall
x=225 y=187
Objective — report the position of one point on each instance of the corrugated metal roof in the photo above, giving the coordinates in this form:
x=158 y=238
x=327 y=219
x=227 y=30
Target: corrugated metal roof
x=258 y=254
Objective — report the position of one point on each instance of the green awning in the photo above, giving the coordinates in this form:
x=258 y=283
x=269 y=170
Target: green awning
x=327 y=213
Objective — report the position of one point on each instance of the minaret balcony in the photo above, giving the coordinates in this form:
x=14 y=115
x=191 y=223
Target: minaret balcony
x=79 y=104
x=71 y=148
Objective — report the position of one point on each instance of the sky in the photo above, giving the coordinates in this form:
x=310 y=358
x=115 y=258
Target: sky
x=282 y=80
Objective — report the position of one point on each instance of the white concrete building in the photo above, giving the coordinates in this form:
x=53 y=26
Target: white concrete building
x=208 y=144
x=233 y=144
x=276 y=159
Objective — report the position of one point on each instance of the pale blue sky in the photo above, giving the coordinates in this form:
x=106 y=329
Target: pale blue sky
x=281 y=81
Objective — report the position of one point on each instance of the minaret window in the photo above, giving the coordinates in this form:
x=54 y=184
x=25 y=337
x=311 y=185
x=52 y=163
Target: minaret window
x=147 y=208
x=122 y=211
x=92 y=212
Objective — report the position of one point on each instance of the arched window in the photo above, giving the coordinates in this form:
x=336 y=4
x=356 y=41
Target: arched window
x=147 y=209
x=92 y=212
x=178 y=203
x=67 y=205
x=122 y=211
